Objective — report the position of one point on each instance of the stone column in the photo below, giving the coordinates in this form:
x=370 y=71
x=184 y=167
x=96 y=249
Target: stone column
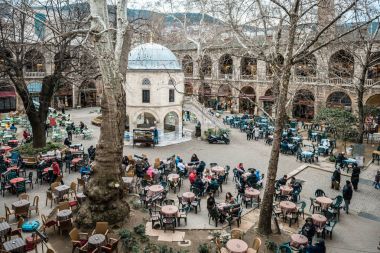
x=215 y=68
x=261 y=70
x=236 y=67
x=196 y=68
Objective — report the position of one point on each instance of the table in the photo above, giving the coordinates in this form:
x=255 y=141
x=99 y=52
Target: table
x=325 y=202
x=155 y=189
x=173 y=177
x=218 y=170
x=287 y=206
x=46 y=170
x=76 y=160
x=319 y=219
x=20 y=203
x=64 y=214
x=97 y=240
x=252 y=193
x=297 y=240
x=237 y=246
x=376 y=156
x=188 y=196
x=4 y=228
x=61 y=190
x=17 y=180
x=15 y=245
x=286 y=190
x=14 y=168
x=169 y=211
x=6 y=148
x=81 y=197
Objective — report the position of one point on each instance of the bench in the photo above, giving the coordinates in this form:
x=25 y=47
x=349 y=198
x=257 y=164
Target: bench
x=30 y=161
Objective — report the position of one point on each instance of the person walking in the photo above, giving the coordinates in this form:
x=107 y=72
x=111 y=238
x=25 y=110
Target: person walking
x=257 y=133
x=347 y=195
x=376 y=183
x=335 y=179
x=355 y=177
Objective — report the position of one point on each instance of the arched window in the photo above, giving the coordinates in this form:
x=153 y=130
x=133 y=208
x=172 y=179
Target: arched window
x=206 y=66
x=341 y=65
x=146 y=81
x=248 y=67
x=307 y=67
x=226 y=65
x=187 y=65
x=34 y=61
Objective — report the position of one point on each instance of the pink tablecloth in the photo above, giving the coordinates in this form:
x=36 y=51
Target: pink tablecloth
x=188 y=196
x=296 y=240
x=218 y=170
x=319 y=220
x=252 y=193
x=286 y=190
x=287 y=206
x=17 y=180
x=237 y=246
x=169 y=211
x=325 y=202
x=155 y=189
x=173 y=177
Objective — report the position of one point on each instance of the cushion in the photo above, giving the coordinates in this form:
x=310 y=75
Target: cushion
x=30 y=226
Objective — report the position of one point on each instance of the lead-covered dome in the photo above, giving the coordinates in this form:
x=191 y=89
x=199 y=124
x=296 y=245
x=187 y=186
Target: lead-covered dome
x=151 y=56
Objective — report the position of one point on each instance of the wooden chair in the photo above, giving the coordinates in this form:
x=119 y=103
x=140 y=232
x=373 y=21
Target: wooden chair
x=224 y=250
x=111 y=246
x=18 y=230
x=78 y=239
x=237 y=233
x=58 y=179
x=73 y=189
x=101 y=228
x=50 y=250
x=47 y=223
x=2 y=219
x=54 y=185
x=255 y=246
x=65 y=205
x=64 y=225
x=8 y=212
x=50 y=197
x=182 y=214
x=34 y=207
x=23 y=196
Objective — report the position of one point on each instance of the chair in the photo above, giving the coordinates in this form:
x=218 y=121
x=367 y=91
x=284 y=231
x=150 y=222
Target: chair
x=20 y=187
x=255 y=246
x=284 y=249
x=335 y=207
x=77 y=239
x=50 y=197
x=23 y=196
x=111 y=246
x=65 y=205
x=225 y=250
x=182 y=214
x=35 y=205
x=101 y=228
x=82 y=183
x=301 y=209
x=73 y=189
x=64 y=225
x=237 y=233
x=169 y=202
x=18 y=230
x=213 y=215
x=292 y=216
x=168 y=222
x=313 y=205
x=29 y=180
x=196 y=204
x=236 y=218
x=154 y=217
x=47 y=223
x=319 y=193
x=330 y=227
x=58 y=179
x=8 y=212
x=54 y=185
x=5 y=187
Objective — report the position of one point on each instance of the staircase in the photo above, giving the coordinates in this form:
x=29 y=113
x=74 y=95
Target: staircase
x=203 y=114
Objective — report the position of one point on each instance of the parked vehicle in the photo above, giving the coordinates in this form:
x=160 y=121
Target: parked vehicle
x=213 y=139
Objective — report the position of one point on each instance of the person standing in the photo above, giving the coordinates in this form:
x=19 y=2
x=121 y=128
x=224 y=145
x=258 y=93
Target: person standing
x=335 y=179
x=376 y=183
x=257 y=133
x=355 y=177
x=347 y=195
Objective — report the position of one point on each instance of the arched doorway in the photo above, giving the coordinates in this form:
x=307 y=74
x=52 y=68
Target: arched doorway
x=7 y=98
x=248 y=69
x=188 y=89
x=204 y=94
x=87 y=93
x=374 y=101
x=226 y=66
x=268 y=100
x=187 y=65
x=34 y=61
x=224 y=97
x=303 y=105
x=206 y=66
x=247 y=97
x=341 y=65
x=63 y=96
x=171 y=122
x=307 y=67
x=145 y=120
x=339 y=99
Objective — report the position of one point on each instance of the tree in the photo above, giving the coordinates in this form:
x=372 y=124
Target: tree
x=111 y=46
x=24 y=33
x=284 y=33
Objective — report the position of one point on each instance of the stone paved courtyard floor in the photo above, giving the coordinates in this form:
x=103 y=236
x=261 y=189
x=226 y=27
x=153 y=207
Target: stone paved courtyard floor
x=358 y=231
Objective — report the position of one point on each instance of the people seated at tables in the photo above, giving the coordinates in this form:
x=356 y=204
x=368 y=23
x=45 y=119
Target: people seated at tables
x=308 y=229
x=192 y=176
x=282 y=181
x=229 y=198
x=25 y=134
x=181 y=167
x=13 y=128
x=198 y=183
x=85 y=170
x=200 y=168
x=213 y=185
x=210 y=202
x=194 y=158
x=252 y=179
x=319 y=247
x=56 y=171
x=81 y=126
x=292 y=181
x=67 y=142
x=240 y=168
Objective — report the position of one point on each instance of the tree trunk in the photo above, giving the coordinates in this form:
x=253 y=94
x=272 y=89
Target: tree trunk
x=39 y=135
x=361 y=117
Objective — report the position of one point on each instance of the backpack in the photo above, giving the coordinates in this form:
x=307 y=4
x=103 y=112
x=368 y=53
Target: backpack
x=30 y=226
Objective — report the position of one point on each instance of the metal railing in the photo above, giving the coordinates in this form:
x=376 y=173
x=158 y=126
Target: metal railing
x=35 y=74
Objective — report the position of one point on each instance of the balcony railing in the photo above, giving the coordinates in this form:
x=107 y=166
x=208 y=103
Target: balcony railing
x=248 y=77
x=35 y=74
x=340 y=81
x=306 y=79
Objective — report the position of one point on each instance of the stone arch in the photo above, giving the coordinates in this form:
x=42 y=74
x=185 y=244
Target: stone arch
x=307 y=67
x=34 y=61
x=204 y=93
x=373 y=100
x=246 y=96
x=341 y=64
x=206 y=66
x=171 y=122
x=248 y=67
x=187 y=65
x=224 y=97
x=7 y=97
x=339 y=99
x=268 y=101
x=226 y=65
x=145 y=119
x=189 y=90
x=303 y=105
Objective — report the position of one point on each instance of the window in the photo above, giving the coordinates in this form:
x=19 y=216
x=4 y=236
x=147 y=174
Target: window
x=146 y=96
x=171 y=82
x=171 y=95
x=145 y=81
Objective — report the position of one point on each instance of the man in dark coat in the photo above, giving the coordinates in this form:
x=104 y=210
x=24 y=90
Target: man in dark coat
x=347 y=195
x=335 y=179
x=309 y=230
x=355 y=177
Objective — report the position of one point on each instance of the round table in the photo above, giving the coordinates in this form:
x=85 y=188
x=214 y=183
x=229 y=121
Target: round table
x=319 y=219
x=286 y=190
x=218 y=170
x=97 y=240
x=81 y=197
x=173 y=177
x=287 y=206
x=296 y=240
x=188 y=196
x=20 y=203
x=252 y=193
x=169 y=211
x=64 y=214
x=17 y=180
x=325 y=202
x=237 y=246
x=155 y=189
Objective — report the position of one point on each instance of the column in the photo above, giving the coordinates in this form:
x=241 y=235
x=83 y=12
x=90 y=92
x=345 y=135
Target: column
x=261 y=70
x=215 y=68
x=236 y=67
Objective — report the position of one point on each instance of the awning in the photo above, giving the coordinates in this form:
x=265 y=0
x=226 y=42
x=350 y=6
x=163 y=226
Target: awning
x=7 y=94
x=266 y=98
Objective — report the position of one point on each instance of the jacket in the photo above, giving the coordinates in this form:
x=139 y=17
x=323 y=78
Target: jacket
x=347 y=192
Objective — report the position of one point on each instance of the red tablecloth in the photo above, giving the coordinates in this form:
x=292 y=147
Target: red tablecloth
x=13 y=141
x=319 y=219
x=188 y=196
x=46 y=170
x=155 y=189
x=169 y=211
x=252 y=193
x=17 y=180
x=325 y=202
x=13 y=168
x=296 y=240
x=76 y=160
x=237 y=246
